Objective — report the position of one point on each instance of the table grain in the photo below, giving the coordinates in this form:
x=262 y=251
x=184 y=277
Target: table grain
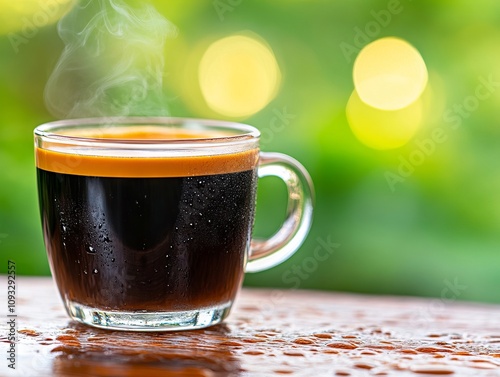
x=270 y=332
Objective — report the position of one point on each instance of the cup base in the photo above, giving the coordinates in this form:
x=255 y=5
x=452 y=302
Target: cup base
x=148 y=321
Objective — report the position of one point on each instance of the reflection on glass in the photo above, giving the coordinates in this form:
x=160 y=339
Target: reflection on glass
x=100 y=353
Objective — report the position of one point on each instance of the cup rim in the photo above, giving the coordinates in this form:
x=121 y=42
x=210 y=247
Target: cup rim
x=242 y=132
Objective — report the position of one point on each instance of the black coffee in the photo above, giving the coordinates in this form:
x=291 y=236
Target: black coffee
x=147 y=233
x=173 y=243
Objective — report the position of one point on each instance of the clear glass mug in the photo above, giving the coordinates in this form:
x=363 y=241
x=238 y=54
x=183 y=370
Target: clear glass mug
x=147 y=222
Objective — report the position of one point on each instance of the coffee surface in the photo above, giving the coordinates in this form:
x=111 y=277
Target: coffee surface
x=150 y=161
x=168 y=243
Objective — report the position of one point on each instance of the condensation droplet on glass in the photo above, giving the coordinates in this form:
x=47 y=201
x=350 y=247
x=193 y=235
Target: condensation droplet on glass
x=112 y=259
x=85 y=272
x=95 y=271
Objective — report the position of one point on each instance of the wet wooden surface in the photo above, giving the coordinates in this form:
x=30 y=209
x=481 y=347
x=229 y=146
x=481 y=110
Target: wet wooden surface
x=270 y=332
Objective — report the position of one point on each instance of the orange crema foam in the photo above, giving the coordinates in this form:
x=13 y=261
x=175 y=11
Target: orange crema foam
x=68 y=160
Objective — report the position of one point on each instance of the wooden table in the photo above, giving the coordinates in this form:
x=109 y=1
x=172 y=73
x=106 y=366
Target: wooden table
x=269 y=333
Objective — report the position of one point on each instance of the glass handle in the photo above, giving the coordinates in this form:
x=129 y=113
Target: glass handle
x=284 y=243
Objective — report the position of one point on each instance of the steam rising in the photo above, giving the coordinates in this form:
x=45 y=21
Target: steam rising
x=112 y=63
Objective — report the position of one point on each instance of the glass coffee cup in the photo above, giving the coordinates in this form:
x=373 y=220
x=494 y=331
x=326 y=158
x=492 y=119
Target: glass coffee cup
x=147 y=222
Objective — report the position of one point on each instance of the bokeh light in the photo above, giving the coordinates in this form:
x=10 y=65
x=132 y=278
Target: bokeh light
x=383 y=129
x=445 y=215
x=26 y=17
x=389 y=74
x=238 y=76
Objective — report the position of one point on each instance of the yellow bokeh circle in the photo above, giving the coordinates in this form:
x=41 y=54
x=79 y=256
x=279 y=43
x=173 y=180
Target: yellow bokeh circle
x=383 y=129
x=238 y=75
x=389 y=74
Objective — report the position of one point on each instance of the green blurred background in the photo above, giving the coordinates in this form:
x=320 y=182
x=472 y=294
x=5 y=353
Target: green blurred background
x=434 y=233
